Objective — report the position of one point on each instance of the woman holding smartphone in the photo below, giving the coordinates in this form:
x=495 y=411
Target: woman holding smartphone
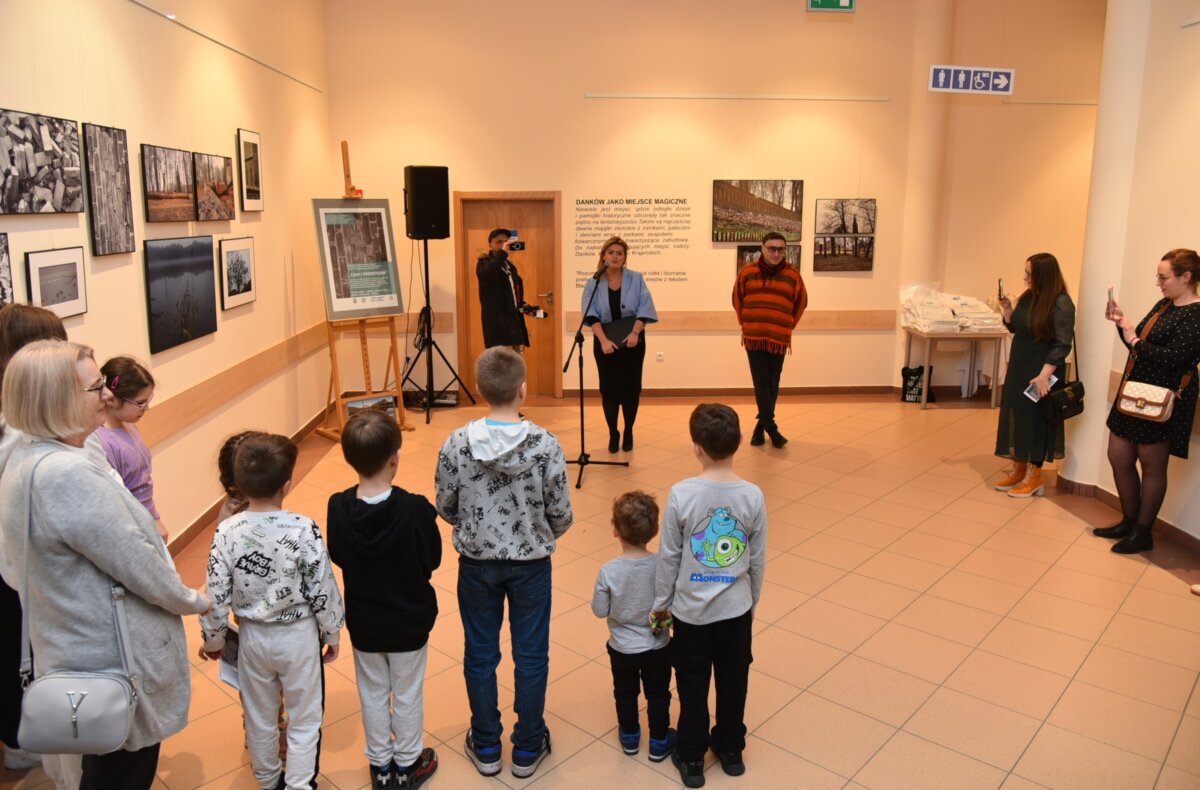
x=1164 y=349
x=1043 y=326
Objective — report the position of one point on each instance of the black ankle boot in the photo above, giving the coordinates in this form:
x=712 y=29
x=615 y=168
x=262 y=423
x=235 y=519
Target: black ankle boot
x=614 y=441
x=1139 y=540
x=627 y=440
x=758 y=438
x=1119 y=530
x=777 y=439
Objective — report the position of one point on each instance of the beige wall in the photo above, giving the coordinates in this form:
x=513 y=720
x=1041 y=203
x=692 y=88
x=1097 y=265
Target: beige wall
x=115 y=63
x=967 y=187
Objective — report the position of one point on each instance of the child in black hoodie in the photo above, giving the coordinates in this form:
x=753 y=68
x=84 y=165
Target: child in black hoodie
x=387 y=544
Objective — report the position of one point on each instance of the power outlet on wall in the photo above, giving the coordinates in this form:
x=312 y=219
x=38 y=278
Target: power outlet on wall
x=659 y=356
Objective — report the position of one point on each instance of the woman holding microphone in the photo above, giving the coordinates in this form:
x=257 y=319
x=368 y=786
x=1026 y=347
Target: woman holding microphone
x=617 y=306
x=1164 y=350
x=1043 y=326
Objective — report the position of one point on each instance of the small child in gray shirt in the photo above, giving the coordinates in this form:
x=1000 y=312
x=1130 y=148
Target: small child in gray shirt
x=638 y=654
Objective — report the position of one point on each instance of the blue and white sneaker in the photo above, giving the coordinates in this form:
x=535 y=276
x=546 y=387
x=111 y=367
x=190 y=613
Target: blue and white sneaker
x=486 y=758
x=661 y=749
x=525 y=762
x=630 y=741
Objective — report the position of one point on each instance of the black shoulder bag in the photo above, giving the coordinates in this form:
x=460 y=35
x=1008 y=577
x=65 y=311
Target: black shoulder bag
x=1067 y=401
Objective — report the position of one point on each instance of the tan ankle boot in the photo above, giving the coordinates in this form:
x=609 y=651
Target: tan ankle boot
x=1014 y=477
x=1030 y=486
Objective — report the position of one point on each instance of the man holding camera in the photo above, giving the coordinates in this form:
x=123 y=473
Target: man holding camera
x=502 y=294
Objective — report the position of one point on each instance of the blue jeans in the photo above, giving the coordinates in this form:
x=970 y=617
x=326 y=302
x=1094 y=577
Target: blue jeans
x=482 y=588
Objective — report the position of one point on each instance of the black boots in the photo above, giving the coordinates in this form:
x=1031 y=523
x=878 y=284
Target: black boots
x=1138 y=540
x=627 y=439
x=1119 y=530
x=758 y=438
x=777 y=439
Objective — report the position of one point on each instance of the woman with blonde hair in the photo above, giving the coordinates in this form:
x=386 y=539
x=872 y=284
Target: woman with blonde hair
x=87 y=534
x=617 y=302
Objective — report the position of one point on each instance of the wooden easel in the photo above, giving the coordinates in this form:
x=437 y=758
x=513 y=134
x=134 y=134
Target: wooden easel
x=336 y=400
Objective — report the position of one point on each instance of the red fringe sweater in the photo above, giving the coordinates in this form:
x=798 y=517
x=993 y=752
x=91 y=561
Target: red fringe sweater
x=768 y=305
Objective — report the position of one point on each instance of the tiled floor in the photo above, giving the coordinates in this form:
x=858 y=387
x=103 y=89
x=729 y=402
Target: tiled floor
x=917 y=629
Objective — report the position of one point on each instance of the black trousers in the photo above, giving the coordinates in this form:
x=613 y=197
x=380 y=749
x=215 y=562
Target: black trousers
x=719 y=650
x=765 y=369
x=126 y=770
x=651 y=671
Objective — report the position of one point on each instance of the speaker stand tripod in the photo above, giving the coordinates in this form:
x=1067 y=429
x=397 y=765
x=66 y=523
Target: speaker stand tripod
x=424 y=344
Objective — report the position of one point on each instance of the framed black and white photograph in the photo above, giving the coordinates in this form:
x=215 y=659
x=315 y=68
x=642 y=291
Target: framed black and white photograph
x=169 y=184
x=745 y=211
x=237 y=272
x=214 y=187
x=358 y=258
x=181 y=299
x=110 y=203
x=250 y=165
x=748 y=254
x=55 y=281
x=7 y=294
x=845 y=235
x=40 y=164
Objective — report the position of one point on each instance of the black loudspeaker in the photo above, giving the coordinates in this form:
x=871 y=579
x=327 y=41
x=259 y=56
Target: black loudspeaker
x=427 y=202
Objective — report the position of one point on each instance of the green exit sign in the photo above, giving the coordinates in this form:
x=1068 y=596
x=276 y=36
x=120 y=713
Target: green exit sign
x=831 y=5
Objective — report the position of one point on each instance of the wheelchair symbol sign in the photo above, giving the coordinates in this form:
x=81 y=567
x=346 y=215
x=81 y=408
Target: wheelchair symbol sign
x=981 y=81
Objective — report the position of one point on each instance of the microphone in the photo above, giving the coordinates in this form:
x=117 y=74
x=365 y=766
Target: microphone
x=600 y=273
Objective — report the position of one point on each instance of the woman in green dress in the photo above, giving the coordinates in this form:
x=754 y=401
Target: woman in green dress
x=1043 y=325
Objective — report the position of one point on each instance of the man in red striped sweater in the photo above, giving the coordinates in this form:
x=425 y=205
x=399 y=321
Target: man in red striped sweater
x=769 y=297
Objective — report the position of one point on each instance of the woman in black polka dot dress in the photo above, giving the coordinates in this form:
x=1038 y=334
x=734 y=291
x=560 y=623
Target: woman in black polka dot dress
x=1165 y=356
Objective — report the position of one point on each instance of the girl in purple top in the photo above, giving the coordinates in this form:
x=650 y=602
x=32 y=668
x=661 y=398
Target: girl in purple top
x=133 y=388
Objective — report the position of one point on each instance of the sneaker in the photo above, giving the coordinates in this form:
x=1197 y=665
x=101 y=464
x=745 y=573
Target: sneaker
x=525 y=762
x=661 y=749
x=690 y=771
x=630 y=741
x=20 y=760
x=731 y=763
x=486 y=758
x=416 y=774
x=383 y=776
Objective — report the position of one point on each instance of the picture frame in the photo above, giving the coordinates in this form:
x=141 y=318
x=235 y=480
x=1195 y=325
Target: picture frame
x=237 y=272
x=54 y=279
x=8 y=293
x=249 y=146
x=168 y=184
x=214 y=187
x=181 y=299
x=109 y=196
x=40 y=164
x=358 y=258
x=746 y=210
x=844 y=240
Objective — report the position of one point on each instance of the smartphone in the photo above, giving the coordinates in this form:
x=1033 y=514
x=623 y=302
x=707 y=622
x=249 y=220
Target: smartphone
x=1000 y=284
x=1110 y=295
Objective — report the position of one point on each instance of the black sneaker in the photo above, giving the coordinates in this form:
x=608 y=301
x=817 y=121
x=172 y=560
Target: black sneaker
x=731 y=763
x=383 y=776
x=525 y=762
x=416 y=774
x=690 y=771
x=486 y=758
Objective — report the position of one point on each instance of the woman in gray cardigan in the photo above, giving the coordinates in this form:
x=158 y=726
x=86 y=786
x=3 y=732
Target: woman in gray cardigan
x=87 y=533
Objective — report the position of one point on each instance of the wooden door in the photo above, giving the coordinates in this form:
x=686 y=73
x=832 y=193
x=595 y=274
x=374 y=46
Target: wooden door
x=536 y=217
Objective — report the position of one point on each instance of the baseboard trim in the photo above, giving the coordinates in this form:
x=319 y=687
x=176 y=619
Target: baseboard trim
x=1164 y=528
x=687 y=392
x=191 y=531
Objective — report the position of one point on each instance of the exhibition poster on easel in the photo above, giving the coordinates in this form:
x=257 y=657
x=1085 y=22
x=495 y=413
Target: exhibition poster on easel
x=358 y=258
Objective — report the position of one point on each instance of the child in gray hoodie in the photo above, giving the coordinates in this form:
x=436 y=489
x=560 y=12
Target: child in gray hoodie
x=502 y=485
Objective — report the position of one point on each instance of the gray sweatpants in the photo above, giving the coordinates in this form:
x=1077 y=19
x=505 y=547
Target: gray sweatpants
x=391 y=687
x=288 y=656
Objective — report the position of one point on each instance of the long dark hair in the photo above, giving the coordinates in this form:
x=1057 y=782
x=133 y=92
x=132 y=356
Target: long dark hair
x=1045 y=284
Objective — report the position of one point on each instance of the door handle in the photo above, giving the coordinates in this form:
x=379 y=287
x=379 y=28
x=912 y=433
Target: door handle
x=549 y=297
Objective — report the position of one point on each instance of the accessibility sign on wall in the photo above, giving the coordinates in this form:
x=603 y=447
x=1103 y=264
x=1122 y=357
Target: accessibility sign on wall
x=971 y=79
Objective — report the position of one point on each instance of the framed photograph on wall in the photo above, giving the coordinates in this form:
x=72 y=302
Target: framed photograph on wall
x=55 y=281
x=845 y=235
x=746 y=210
x=7 y=293
x=110 y=203
x=237 y=272
x=168 y=184
x=181 y=299
x=39 y=164
x=250 y=167
x=358 y=259
x=214 y=187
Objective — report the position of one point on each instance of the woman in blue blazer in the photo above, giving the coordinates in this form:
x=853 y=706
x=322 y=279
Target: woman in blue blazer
x=613 y=294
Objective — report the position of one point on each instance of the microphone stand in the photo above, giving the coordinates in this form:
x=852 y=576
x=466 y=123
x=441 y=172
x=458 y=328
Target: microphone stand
x=577 y=345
